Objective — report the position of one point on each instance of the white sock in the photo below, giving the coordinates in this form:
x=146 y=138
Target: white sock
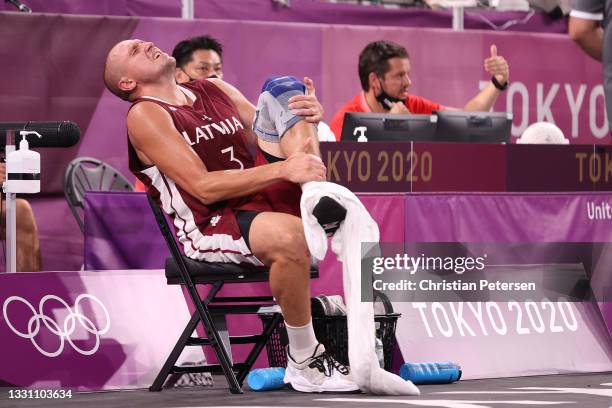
x=302 y=341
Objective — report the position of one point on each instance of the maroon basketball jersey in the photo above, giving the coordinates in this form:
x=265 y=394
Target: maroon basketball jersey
x=212 y=128
x=282 y=196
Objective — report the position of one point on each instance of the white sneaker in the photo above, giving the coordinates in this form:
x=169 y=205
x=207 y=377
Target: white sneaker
x=319 y=373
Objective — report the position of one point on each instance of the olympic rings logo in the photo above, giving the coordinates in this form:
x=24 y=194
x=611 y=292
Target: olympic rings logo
x=63 y=332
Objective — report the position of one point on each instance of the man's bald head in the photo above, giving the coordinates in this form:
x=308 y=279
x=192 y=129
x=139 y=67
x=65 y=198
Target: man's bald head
x=114 y=70
x=134 y=66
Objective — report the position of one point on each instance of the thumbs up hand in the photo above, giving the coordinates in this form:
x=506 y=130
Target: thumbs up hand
x=497 y=66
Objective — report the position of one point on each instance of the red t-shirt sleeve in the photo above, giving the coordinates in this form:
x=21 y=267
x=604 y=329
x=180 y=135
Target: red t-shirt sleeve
x=422 y=106
x=415 y=104
x=353 y=105
x=336 y=123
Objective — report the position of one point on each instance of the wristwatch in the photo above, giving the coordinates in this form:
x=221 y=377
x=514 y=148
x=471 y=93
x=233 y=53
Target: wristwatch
x=501 y=87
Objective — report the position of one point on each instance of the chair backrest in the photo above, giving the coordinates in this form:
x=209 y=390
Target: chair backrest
x=89 y=174
x=166 y=231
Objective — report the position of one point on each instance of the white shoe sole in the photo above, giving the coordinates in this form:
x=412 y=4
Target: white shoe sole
x=300 y=384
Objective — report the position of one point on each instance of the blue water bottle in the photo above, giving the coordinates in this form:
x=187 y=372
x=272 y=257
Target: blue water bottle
x=264 y=379
x=431 y=373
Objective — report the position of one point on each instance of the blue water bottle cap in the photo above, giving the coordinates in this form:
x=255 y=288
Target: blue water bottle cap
x=256 y=381
x=264 y=379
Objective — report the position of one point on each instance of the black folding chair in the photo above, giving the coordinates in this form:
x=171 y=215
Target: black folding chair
x=212 y=310
x=89 y=174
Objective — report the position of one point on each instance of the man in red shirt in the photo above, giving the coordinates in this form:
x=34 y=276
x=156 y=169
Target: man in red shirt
x=384 y=72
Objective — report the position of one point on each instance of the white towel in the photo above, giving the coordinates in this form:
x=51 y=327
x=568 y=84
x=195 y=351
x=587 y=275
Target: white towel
x=358 y=227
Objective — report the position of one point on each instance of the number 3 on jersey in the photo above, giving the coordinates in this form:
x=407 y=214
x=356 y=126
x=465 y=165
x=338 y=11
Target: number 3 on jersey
x=230 y=150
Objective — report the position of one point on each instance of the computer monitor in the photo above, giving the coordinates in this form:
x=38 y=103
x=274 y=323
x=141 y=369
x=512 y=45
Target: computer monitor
x=363 y=127
x=483 y=127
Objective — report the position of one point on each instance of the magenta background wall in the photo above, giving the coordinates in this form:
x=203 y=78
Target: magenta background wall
x=306 y=11
x=52 y=69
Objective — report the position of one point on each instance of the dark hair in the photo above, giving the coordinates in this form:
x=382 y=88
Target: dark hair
x=111 y=79
x=108 y=81
x=183 y=50
x=375 y=58
x=125 y=95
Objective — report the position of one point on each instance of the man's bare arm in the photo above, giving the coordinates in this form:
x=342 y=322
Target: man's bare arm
x=484 y=100
x=588 y=34
x=498 y=67
x=157 y=142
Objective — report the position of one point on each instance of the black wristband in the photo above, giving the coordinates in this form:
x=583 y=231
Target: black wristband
x=498 y=85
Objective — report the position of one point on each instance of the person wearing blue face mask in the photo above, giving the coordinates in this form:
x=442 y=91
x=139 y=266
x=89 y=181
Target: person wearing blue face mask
x=384 y=73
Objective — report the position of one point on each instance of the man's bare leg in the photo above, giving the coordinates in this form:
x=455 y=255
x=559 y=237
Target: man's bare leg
x=293 y=140
x=328 y=211
x=295 y=137
x=277 y=239
x=28 y=247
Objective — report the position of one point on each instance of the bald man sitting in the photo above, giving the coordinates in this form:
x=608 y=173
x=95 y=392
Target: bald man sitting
x=187 y=145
